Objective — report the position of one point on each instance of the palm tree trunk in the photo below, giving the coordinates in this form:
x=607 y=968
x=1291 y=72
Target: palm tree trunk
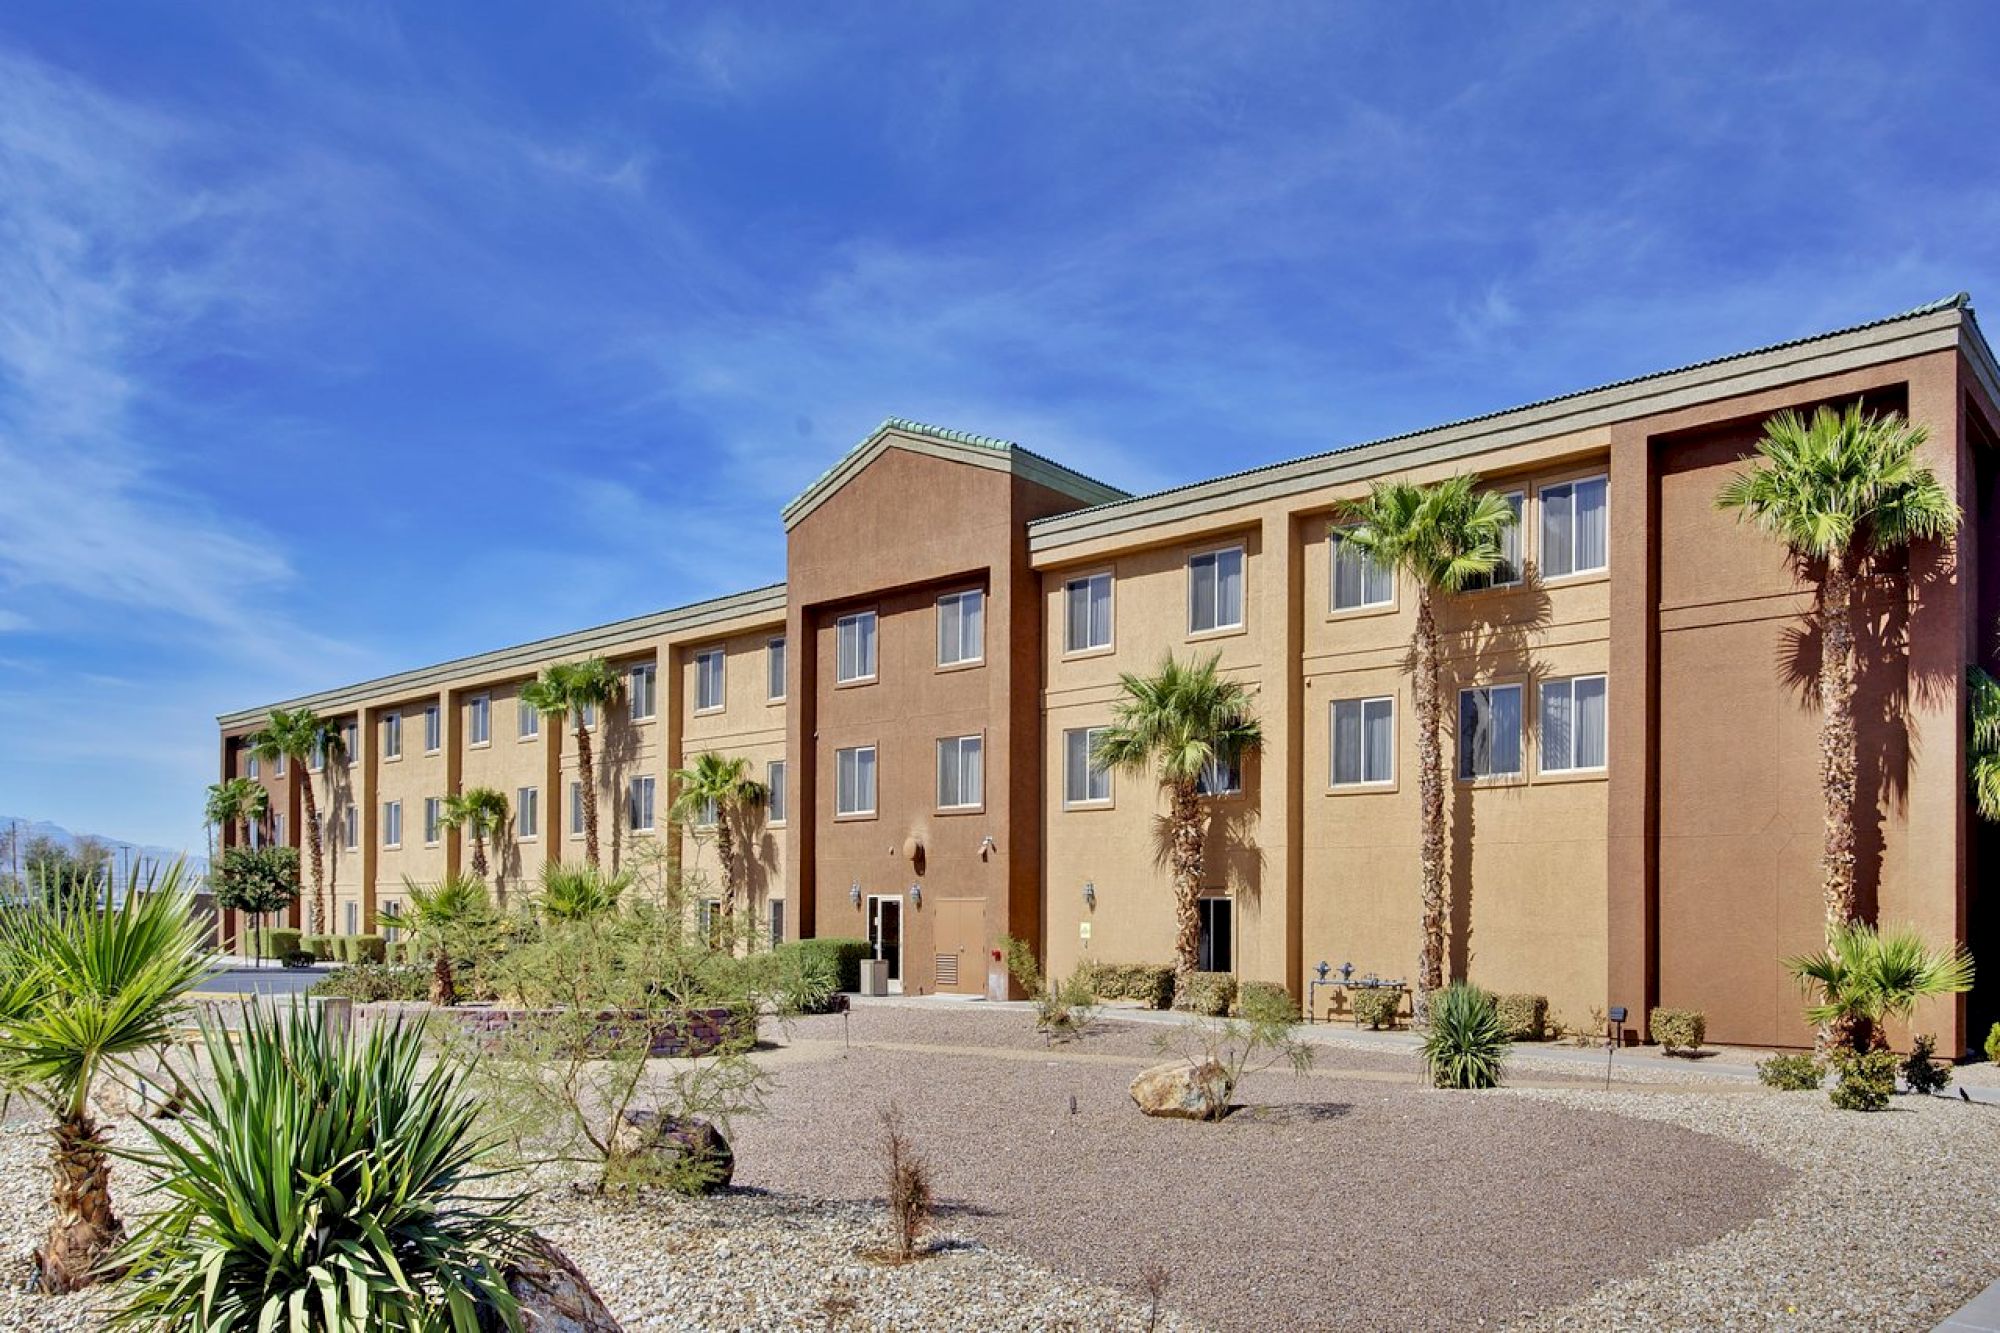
x=1430 y=797
x=724 y=845
x=589 y=783
x=444 y=989
x=84 y=1229
x=1184 y=815
x=1837 y=754
x=318 y=856
x=478 y=853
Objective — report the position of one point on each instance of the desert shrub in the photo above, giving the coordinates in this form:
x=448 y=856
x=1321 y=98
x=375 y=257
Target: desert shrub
x=296 y=958
x=1679 y=1029
x=1922 y=1073
x=1206 y=993
x=1524 y=1017
x=1374 y=1007
x=1151 y=984
x=1993 y=1044
x=372 y=983
x=321 y=1180
x=908 y=1187
x=844 y=955
x=321 y=947
x=798 y=981
x=1063 y=1009
x=1591 y=1032
x=1265 y=999
x=280 y=940
x=1465 y=1045
x=368 y=949
x=1242 y=1046
x=1866 y=1080
x=1791 y=1073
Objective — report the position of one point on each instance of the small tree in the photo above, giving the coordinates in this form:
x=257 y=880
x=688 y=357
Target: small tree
x=1865 y=977
x=482 y=813
x=719 y=789
x=256 y=881
x=574 y=691
x=442 y=918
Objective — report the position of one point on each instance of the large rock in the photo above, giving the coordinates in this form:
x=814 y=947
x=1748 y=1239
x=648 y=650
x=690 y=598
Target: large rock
x=690 y=1154
x=554 y=1295
x=1183 y=1090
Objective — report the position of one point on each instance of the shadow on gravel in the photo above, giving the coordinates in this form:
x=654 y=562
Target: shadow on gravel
x=1291 y=1113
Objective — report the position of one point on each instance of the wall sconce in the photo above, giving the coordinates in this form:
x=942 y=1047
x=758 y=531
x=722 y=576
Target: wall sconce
x=854 y=893
x=987 y=847
x=1090 y=895
x=916 y=895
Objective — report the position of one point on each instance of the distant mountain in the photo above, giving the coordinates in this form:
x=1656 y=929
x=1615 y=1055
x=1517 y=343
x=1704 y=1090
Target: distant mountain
x=124 y=855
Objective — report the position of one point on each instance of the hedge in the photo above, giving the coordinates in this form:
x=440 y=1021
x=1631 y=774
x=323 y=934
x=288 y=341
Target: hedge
x=1526 y=1017
x=1265 y=1001
x=321 y=947
x=1209 y=993
x=844 y=955
x=280 y=940
x=1151 y=984
x=1679 y=1029
x=1375 y=1006
x=368 y=949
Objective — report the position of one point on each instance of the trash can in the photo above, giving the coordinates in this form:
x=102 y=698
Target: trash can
x=874 y=976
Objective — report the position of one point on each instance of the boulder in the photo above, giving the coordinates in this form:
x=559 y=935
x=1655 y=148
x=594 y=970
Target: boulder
x=688 y=1153
x=1183 y=1090
x=554 y=1295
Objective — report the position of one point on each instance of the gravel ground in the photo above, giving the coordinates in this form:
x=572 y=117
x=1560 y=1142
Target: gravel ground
x=1891 y=1221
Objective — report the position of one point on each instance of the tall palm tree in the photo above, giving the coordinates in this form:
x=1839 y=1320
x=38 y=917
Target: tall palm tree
x=1835 y=489
x=1864 y=977
x=83 y=987
x=302 y=737
x=482 y=813
x=1441 y=536
x=1177 y=722
x=438 y=916
x=1983 y=741
x=723 y=788
x=571 y=690
x=237 y=803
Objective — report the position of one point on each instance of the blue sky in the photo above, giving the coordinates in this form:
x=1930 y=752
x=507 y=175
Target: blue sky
x=339 y=340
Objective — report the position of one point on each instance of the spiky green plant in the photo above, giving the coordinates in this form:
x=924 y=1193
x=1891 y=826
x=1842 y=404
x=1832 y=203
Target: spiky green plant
x=1466 y=1044
x=438 y=917
x=573 y=691
x=578 y=893
x=1982 y=757
x=84 y=987
x=1865 y=977
x=322 y=1183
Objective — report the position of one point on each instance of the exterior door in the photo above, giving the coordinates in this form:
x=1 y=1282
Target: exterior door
x=961 y=945
x=885 y=937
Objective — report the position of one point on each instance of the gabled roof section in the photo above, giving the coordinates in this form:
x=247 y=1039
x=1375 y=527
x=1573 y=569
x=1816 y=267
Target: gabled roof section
x=1928 y=328
x=958 y=446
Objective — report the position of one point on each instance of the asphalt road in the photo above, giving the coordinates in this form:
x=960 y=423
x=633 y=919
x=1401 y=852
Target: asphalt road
x=231 y=980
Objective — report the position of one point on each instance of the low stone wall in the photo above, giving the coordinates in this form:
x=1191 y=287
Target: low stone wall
x=693 y=1032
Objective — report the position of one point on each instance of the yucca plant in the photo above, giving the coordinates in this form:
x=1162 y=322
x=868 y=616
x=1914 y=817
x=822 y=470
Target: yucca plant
x=1466 y=1044
x=83 y=988
x=1865 y=977
x=322 y=1183
x=578 y=893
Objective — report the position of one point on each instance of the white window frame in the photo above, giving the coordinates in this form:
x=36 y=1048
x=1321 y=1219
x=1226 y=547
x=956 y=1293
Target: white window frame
x=1221 y=776
x=392 y=824
x=639 y=793
x=775 y=666
x=777 y=778
x=350 y=828
x=352 y=913
x=1215 y=554
x=433 y=820
x=1072 y=801
x=775 y=919
x=1086 y=586
x=1361 y=703
x=946 y=621
x=527 y=721
x=433 y=729
x=1335 y=541
x=842 y=757
x=642 y=692
x=856 y=620
x=527 y=814
x=711 y=666
x=951 y=759
x=575 y=808
x=1541 y=524
x=278 y=766
x=1517 y=561
x=478 y=721
x=706 y=815
x=252 y=768
x=1460 y=739
x=392 y=736
x=1569 y=683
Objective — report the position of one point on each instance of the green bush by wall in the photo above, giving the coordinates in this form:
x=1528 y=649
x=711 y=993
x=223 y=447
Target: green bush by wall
x=1209 y=993
x=1375 y=1007
x=1524 y=1017
x=1151 y=984
x=1679 y=1029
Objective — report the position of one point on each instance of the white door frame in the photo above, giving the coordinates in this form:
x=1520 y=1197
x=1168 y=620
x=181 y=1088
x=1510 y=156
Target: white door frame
x=875 y=901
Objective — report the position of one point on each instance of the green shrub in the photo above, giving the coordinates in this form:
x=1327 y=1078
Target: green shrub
x=1993 y=1044
x=798 y=980
x=296 y=958
x=321 y=1180
x=843 y=955
x=1921 y=1072
x=1525 y=1017
x=1063 y=1009
x=371 y=983
x=1866 y=1080
x=368 y=949
x=1466 y=1046
x=321 y=947
x=1151 y=984
x=1266 y=1001
x=1375 y=1007
x=280 y=940
x=1679 y=1029
x=1207 y=993
x=1791 y=1073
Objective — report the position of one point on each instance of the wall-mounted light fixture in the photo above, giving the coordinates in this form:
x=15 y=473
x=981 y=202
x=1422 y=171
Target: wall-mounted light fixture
x=916 y=895
x=1090 y=895
x=987 y=847
x=854 y=893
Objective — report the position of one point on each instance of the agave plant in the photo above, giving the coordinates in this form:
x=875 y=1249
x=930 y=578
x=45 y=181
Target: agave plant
x=322 y=1182
x=578 y=893
x=1865 y=977
x=83 y=988
x=1466 y=1044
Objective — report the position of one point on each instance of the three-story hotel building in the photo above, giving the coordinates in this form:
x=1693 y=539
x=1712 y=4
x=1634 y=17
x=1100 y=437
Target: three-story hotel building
x=1634 y=806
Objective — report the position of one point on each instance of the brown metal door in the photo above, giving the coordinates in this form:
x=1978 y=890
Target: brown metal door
x=961 y=945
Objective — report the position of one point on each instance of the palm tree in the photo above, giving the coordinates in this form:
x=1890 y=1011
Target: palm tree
x=482 y=812
x=237 y=803
x=573 y=690
x=84 y=986
x=1177 y=722
x=721 y=789
x=1983 y=741
x=437 y=917
x=1864 y=977
x=1441 y=536
x=1835 y=490
x=579 y=893
x=304 y=737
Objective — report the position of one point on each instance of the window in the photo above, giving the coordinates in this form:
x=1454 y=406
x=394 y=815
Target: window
x=479 y=720
x=392 y=823
x=708 y=921
x=1084 y=782
x=960 y=772
x=961 y=623
x=639 y=805
x=854 y=789
x=1087 y=613
x=1215 y=590
x=350 y=828
x=1358 y=579
x=1364 y=742
x=433 y=808
x=527 y=722
x=278 y=824
x=1575 y=528
x=1221 y=776
x=353 y=916
x=1572 y=724
x=774 y=785
x=774 y=669
x=392 y=736
x=350 y=741
x=433 y=729
x=777 y=922
x=251 y=766
x=1216 y=951
x=708 y=681
x=391 y=907
x=316 y=761
x=856 y=645
x=1489 y=732
x=640 y=691
x=588 y=716
x=278 y=769
x=576 y=809
x=528 y=812
x=707 y=814
x=1508 y=571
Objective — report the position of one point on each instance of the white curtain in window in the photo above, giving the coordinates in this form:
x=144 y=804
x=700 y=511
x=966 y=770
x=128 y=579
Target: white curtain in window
x=1590 y=722
x=1229 y=588
x=1557 y=540
x=1201 y=593
x=1558 y=725
x=1076 y=765
x=1347 y=743
x=1592 y=525
x=1379 y=724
